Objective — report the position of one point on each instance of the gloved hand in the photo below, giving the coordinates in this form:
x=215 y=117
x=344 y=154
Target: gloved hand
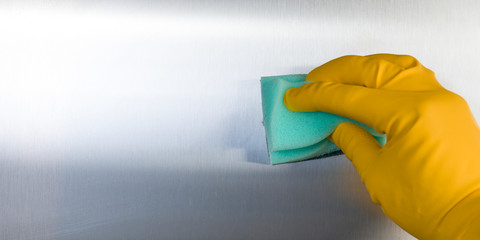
x=427 y=177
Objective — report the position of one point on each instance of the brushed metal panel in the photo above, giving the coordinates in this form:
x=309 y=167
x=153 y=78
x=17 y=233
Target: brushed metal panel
x=142 y=119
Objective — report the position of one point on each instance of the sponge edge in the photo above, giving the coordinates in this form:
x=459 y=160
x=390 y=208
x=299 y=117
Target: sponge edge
x=296 y=136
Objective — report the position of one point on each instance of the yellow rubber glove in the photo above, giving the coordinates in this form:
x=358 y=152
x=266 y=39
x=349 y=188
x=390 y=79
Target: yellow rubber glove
x=427 y=177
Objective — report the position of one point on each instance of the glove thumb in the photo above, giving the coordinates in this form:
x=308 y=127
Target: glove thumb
x=358 y=145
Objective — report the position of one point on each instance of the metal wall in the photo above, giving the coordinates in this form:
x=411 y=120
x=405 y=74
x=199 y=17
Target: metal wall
x=142 y=119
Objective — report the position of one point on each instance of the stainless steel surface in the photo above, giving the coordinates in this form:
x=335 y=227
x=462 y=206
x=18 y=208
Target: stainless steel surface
x=142 y=119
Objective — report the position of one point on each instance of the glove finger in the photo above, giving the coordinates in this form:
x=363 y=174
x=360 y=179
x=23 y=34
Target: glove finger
x=358 y=145
x=373 y=107
x=403 y=61
x=386 y=71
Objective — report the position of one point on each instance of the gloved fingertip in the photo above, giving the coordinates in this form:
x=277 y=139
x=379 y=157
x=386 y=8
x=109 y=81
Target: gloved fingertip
x=286 y=101
x=357 y=143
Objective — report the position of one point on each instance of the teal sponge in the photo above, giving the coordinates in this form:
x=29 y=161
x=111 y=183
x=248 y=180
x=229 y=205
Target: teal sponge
x=297 y=136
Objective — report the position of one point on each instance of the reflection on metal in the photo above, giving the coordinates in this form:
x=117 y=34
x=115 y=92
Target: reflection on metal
x=143 y=121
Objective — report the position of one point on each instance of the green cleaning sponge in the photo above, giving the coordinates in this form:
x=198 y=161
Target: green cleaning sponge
x=297 y=136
